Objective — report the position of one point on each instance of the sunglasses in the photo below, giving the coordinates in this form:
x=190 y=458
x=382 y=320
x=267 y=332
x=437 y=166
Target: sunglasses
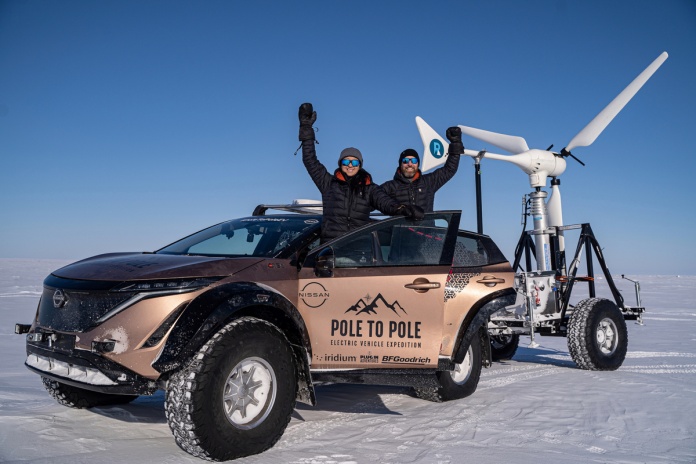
x=409 y=160
x=347 y=162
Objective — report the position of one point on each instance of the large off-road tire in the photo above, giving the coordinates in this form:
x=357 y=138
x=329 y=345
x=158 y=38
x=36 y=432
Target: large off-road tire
x=235 y=397
x=459 y=383
x=504 y=347
x=597 y=335
x=80 y=398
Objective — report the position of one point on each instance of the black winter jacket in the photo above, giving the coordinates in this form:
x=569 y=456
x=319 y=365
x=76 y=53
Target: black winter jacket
x=347 y=202
x=421 y=190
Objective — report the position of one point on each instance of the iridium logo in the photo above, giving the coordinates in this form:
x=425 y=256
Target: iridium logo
x=437 y=149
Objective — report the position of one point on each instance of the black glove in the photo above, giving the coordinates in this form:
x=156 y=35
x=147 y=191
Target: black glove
x=412 y=212
x=307 y=117
x=454 y=135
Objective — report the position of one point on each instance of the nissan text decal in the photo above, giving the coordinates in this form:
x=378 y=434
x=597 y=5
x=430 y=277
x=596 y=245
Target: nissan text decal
x=437 y=148
x=314 y=294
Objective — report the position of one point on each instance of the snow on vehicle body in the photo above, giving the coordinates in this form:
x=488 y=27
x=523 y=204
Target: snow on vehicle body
x=237 y=321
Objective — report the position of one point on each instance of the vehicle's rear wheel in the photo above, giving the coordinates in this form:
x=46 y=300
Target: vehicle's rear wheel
x=460 y=382
x=597 y=335
x=504 y=347
x=80 y=398
x=235 y=397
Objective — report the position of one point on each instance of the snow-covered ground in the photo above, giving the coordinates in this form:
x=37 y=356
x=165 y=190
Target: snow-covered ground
x=537 y=408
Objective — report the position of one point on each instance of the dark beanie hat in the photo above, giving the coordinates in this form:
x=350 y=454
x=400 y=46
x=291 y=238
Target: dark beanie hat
x=354 y=152
x=409 y=152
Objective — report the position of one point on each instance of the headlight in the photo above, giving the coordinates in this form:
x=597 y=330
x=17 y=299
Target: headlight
x=155 y=288
x=177 y=285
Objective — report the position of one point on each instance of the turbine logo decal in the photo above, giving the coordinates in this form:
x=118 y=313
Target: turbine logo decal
x=437 y=149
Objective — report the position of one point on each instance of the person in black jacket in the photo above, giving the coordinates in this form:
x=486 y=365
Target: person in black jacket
x=411 y=187
x=349 y=194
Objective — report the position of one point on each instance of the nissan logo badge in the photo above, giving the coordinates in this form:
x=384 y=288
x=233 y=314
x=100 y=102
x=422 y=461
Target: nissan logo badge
x=59 y=299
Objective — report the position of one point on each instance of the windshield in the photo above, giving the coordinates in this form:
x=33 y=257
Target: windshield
x=256 y=236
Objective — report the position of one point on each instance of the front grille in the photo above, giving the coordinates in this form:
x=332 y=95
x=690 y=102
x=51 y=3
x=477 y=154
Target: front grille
x=81 y=310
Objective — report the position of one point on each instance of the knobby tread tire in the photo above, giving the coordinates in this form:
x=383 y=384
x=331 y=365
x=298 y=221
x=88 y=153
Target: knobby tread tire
x=198 y=422
x=450 y=390
x=582 y=335
x=79 y=398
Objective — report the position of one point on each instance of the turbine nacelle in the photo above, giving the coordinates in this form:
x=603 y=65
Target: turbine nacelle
x=537 y=164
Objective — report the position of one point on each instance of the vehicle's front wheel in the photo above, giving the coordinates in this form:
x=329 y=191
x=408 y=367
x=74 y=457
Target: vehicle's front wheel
x=235 y=397
x=80 y=398
x=597 y=335
x=504 y=346
x=460 y=382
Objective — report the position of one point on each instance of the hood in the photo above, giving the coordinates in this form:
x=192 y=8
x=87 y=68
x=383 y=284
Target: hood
x=145 y=266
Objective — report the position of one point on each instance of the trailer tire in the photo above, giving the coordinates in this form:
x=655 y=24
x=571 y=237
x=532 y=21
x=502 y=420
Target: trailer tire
x=597 y=335
x=79 y=398
x=460 y=382
x=235 y=397
x=504 y=347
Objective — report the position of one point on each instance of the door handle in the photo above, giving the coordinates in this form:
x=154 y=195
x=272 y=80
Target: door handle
x=422 y=285
x=491 y=281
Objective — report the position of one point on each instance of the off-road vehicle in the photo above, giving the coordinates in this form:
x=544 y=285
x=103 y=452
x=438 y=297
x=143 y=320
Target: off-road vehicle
x=238 y=321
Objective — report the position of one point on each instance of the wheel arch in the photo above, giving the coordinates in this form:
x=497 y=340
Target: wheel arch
x=477 y=320
x=212 y=310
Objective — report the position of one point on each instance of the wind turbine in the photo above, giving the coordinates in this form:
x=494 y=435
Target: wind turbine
x=538 y=164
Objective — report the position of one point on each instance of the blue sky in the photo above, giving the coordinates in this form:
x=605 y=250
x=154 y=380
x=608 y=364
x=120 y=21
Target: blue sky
x=125 y=125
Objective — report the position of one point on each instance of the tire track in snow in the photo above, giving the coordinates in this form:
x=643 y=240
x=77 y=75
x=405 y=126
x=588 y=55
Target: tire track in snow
x=306 y=430
x=661 y=369
x=497 y=379
x=658 y=354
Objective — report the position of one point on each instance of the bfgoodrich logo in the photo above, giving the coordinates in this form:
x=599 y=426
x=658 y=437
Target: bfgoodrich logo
x=314 y=294
x=401 y=360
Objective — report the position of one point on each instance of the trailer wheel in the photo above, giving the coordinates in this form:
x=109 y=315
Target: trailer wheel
x=597 y=335
x=236 y=395
x=458 y=383
x=504 y=347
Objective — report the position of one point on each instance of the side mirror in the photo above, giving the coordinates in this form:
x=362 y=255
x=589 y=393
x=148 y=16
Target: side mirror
x=325 y=262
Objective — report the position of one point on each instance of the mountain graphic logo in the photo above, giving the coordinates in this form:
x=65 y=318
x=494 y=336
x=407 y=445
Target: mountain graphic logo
x=376 y=305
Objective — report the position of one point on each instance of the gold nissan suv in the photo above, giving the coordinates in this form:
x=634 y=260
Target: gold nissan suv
x=237 y=322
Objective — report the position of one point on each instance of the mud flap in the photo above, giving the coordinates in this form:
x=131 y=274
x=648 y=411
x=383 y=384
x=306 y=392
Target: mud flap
x=305 y=387
x=486 y=347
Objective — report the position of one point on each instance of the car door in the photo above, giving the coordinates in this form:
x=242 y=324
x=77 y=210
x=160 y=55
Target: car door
x=375 y=297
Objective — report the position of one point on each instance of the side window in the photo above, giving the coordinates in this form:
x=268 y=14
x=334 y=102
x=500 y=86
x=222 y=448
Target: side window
x=396 y=242
x=355 y=252
x=416 y=244
x=469 y=251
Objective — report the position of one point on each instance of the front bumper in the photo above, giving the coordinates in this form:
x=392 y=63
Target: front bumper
x=59 y=360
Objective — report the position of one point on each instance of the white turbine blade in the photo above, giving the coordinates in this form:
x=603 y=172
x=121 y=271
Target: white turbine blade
x=434 y=147
x=591 y=131
x=510 y=143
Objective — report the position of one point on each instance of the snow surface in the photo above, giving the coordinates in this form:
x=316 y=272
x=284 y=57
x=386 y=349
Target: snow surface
x=537 y=408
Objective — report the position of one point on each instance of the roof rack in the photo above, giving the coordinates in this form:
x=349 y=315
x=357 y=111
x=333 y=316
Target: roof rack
x=297 y=206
